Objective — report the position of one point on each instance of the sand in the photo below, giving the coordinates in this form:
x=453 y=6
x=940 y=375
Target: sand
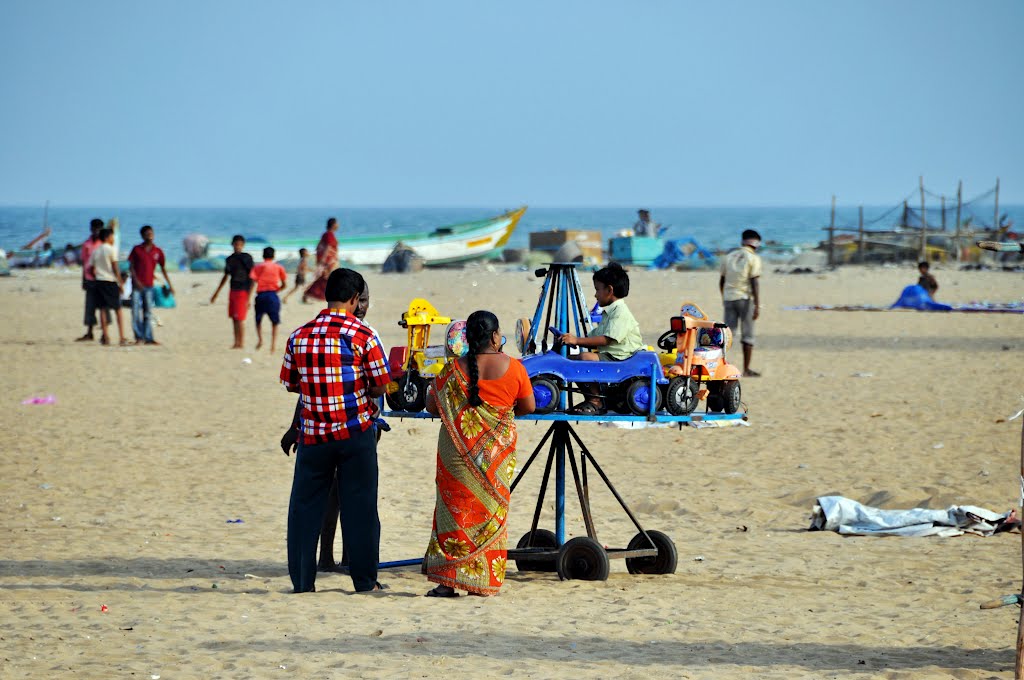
x=118 y=560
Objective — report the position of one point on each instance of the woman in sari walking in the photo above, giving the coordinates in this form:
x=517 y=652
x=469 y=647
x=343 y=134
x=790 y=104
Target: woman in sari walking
x=326 y=261
x=477 y=398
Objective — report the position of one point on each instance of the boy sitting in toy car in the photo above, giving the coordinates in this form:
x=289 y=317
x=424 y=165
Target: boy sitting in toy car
x=615 y=338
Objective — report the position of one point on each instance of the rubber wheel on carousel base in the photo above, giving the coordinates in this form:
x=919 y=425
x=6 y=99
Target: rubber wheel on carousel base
x=664 y=563
x=542 y=538
x=582 y=559
x=639 y=395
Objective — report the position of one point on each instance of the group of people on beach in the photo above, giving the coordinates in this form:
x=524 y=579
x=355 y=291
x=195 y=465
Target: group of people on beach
x=337 y=365
x=270 y=280
x=104 y=284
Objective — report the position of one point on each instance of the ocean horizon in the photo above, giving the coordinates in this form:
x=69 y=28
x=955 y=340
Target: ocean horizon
x=715 y=227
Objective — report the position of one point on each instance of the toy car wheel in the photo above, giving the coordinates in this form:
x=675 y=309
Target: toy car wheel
x=663 y=563
x=715 y=401
x=667 y=341
x=541 y=538
x=411 y=397
x=681 y=396
x=731 y=396
x=546 y=394
x=639 y=396
x=582 y=559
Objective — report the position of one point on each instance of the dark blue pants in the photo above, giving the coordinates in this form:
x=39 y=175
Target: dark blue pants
x=354 y=463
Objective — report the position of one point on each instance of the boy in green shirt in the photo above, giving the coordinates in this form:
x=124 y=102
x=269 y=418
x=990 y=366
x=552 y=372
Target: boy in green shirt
x=617 y=337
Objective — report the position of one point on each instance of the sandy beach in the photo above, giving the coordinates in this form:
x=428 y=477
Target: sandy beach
x=119 y=561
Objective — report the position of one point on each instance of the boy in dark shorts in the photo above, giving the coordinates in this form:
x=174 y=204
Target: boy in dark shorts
x=108 y=283
x=616 y=338
x=270 y=277
x=236 y=268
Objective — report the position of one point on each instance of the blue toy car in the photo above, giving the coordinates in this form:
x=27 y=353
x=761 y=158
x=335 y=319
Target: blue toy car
x=627 y=384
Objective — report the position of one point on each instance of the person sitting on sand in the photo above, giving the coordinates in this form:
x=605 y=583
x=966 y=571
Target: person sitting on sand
x=926 y=280
x=338 y=367
x=301 y=271
x=615 y=338
x=270 y=277
x=740 y=285
x=236 y=268
x=477 y=398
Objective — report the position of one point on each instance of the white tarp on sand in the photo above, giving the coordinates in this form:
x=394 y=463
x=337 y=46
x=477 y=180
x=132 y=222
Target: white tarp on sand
x=846 y=516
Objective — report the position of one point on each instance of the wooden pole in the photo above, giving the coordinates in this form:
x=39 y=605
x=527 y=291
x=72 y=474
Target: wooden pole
x=903 y=222
x=943 y=204
x=924 y=223
x=1018 y=671
x=959 y=203
x=995 y=222
x=860 y=233
x=832 y=235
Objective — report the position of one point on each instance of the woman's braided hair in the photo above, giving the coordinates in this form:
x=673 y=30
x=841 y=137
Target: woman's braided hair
x=480 y=326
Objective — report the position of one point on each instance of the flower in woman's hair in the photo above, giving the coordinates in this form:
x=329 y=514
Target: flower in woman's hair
x=456 y=547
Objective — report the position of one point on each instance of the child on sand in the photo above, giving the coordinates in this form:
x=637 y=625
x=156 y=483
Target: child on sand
x=300 y=274
x=617 y=337
x=108 y=284
x=237 y=267
x=270 y=277
x=926 y=280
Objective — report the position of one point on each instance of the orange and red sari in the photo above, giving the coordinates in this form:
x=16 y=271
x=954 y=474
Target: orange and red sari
x=476 y=458
x=327 y=262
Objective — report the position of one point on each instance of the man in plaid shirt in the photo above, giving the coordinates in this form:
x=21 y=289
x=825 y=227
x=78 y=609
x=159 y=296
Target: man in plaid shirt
x=336 y=365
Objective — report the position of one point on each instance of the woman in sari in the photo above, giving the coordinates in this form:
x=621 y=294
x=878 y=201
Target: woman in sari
x=477 y=398
x=326 y=261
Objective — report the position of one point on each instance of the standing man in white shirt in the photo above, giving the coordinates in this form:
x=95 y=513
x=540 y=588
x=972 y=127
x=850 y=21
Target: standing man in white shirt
x=105 y=270
x=740 y=285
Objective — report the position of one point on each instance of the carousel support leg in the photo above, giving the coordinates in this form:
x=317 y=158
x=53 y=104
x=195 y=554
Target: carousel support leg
x=560 y=441
x=588 y=518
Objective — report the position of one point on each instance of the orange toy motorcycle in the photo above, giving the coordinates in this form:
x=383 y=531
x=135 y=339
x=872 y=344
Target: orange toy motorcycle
x=695 y=363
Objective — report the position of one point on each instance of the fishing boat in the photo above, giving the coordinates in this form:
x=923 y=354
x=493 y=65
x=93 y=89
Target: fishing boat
x=441 y=246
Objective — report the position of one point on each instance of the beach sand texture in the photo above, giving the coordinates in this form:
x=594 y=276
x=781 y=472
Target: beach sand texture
x=118 y=497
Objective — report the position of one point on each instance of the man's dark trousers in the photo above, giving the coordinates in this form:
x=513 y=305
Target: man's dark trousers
x=354 y=461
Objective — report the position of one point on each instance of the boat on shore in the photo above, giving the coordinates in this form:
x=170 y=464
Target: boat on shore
x=446 y=245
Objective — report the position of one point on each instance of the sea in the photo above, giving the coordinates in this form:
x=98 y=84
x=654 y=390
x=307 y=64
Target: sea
x=716 y=228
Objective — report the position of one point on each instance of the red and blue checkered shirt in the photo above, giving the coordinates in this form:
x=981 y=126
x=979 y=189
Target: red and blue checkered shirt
x=331 y=361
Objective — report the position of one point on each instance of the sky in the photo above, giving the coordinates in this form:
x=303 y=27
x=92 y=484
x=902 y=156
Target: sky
x=471 y=103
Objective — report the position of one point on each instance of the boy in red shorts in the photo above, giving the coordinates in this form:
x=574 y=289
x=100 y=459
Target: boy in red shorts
x=270 y=277
x=237 y=267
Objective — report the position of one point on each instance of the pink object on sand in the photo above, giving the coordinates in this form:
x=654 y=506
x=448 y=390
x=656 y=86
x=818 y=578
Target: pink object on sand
x=48 y=399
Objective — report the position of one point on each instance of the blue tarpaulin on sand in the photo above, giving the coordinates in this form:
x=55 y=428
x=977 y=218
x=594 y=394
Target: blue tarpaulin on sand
x=916 y=297
x=686 y=251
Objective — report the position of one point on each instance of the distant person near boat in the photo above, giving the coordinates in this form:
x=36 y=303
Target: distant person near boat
x=236 y=268
x=143 y=260
x=326 y=260
x=741 y=293
x=927 y=280
x=645 y=226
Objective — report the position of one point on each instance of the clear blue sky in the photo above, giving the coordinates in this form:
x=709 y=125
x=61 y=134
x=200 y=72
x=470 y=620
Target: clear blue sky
x=553 y=103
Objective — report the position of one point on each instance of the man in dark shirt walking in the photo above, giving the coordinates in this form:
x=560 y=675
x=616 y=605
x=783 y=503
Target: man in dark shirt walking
x=236 y=268
x=337 y=366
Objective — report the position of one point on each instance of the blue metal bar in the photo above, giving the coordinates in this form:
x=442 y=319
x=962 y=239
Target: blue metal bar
x=539 y=314
x=400 y=563
x=606 y=418
x=560 y=438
